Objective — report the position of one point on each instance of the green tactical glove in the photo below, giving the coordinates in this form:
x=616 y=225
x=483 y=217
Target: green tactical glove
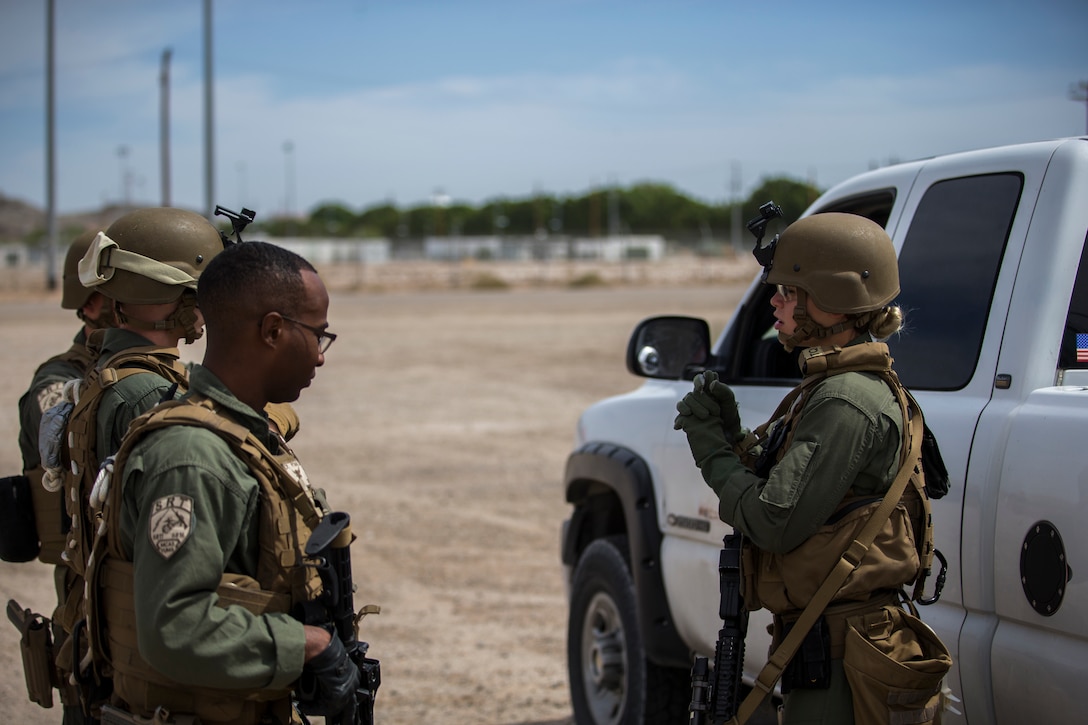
x=727 y=402
x=711 y=399
x=708 y=416
x=709 y=445
x=705 y=436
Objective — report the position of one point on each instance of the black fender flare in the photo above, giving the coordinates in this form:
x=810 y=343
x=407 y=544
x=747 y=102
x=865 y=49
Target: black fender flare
x=604 y=468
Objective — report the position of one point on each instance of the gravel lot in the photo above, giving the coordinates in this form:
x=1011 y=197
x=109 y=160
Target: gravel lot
x=441 y=422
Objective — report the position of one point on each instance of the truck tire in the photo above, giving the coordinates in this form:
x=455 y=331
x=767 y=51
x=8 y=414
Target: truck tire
x=611 y=681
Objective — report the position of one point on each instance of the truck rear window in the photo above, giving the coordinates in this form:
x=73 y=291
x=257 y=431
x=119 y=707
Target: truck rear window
x=948 y=271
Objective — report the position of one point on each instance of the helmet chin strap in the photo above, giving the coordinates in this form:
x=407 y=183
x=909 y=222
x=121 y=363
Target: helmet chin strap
x=807 y=329
x=184 y=315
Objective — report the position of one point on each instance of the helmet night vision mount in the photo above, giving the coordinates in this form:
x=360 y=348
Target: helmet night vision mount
x=238 y=221
x=758 y=226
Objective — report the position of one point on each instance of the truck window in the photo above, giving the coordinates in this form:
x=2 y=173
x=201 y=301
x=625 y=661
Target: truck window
x=947 y=272
x=1076 y=322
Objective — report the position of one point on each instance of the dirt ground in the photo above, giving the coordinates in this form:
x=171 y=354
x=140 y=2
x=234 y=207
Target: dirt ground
x=441 y=422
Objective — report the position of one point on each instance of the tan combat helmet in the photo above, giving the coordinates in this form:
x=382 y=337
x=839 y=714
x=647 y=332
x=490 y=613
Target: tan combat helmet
x=153 y=256
x=845 y=262
x=73 y=294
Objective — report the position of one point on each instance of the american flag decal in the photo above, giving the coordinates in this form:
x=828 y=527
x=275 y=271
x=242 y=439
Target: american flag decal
x=1082 y=347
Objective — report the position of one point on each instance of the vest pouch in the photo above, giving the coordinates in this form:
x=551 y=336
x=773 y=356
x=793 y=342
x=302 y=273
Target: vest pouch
x=895 y=665
x=933 y=467
x=749 y=571
x=18 y=531
x=810 y=666
x=50 y=518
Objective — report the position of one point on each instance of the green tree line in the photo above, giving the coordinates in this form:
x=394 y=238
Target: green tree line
x=645 y=208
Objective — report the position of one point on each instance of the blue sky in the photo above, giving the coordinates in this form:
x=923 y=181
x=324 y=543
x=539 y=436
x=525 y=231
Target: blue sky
x=398 y=101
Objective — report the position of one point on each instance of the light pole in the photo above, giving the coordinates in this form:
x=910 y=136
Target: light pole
x=1079 y=92
x=50 y=149
x=164 y=127
x=734 y=217
x=288 y=177
x=241 y=183
x=126 y=177
x=209 y=116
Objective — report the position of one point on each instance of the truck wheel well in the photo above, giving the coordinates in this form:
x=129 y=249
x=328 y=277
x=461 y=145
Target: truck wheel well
x=597 y=517
x=612 y=493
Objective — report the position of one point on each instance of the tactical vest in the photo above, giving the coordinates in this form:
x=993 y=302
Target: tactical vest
x=903 y=551
x=49 y=509
x=288 y=514
x=82 y=437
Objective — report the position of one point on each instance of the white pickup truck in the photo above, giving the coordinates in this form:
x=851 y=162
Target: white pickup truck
x=994 y=275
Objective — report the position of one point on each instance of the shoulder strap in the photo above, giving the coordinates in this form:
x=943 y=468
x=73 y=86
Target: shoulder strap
x=149 y=358
x=83 y=420
x=199 y=410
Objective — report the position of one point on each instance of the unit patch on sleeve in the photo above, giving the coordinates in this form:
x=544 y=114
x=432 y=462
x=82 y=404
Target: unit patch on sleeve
x=170 y=523
x=50 y=395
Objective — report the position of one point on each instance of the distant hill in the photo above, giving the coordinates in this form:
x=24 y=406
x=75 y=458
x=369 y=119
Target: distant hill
x=23 y=222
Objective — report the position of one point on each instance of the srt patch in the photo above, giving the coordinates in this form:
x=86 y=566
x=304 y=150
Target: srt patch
x=170 y=523
x=296 y=471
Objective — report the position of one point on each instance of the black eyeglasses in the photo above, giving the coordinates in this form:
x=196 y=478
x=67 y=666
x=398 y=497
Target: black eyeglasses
x=324 y=338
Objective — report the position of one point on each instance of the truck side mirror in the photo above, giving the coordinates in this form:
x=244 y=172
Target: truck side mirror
x=669 y=348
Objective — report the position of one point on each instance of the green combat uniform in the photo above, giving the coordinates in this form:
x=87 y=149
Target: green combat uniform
x=830 y=494
x=839 y=449
x=202 y=562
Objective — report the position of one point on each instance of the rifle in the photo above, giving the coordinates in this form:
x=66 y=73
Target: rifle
x=328 y=547
x=716 y=694
x=719 y=698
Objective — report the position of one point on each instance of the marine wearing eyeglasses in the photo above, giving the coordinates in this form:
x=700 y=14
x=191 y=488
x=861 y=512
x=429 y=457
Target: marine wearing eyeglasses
x=194 y=511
